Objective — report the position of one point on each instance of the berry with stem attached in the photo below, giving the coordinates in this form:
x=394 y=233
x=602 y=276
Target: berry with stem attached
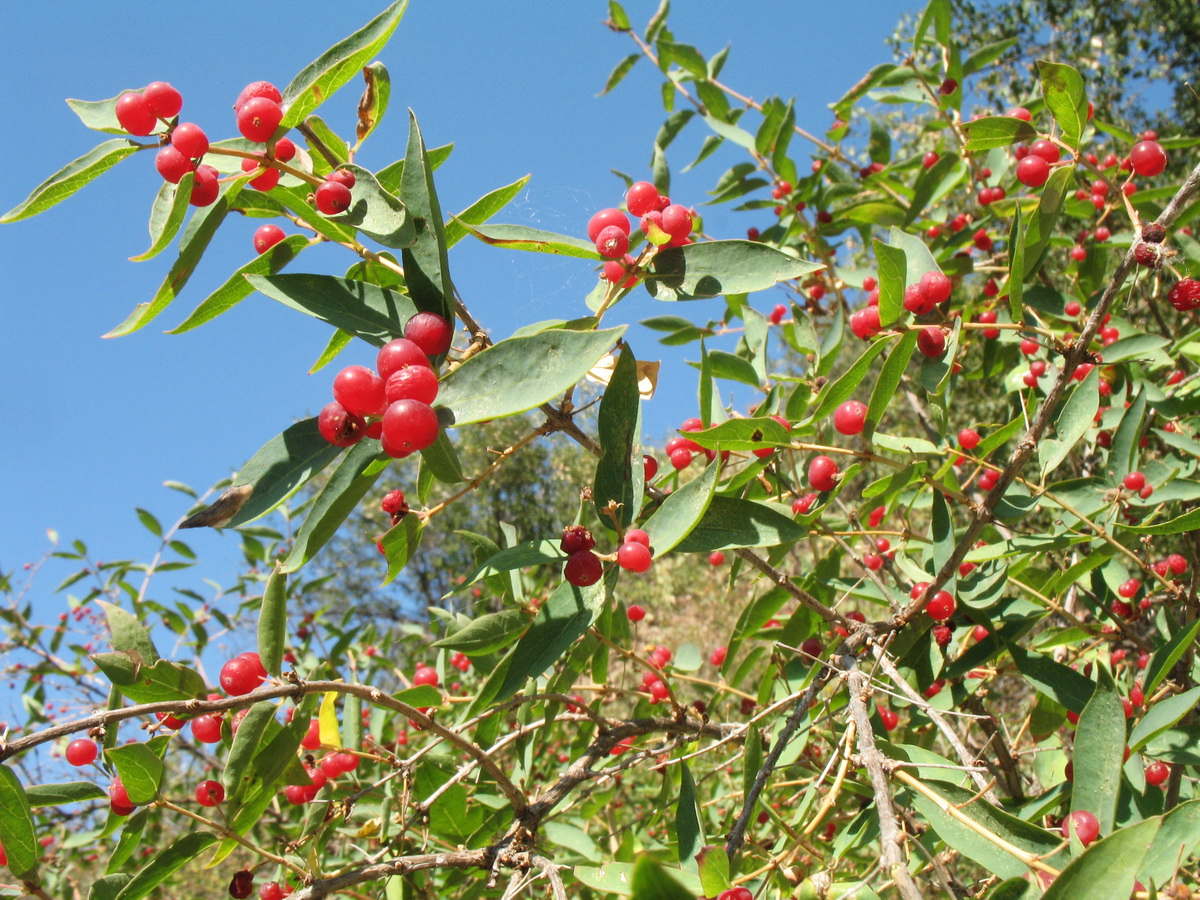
x=634 y=556
x=822 y=473
x=1148 y=158
x=941 y=606
x=206 y=186
x=210 y=793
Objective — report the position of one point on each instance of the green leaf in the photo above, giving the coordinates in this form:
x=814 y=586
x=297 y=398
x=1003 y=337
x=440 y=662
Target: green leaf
x=1128 y=435
x=837 y=392
x=338 y=498
x=140 y=769
x=1074 y=418
x=482 y=210
x=620 y=70
x=732 y=368
x=70 y=178
x=488 y=633
x=426 y=265
x=272 y=622
x=731 y=133
x=128 y=634
x=1189 y=521
x=371 y=313
x=280 y=466
x=893 y=271
x=156 y=683
x=16 y=827
x=1062 y=88
x=1053 y=679
x=1161 y=716
x=731 y=522
x=337 y=65
x=166 y=863
x=1108 y=868
x=934 y=183
x=1040 y=228
x=521 y=373
x=689 y=823
x=522 y=237
x=987 y=132
x=67 y=792
x=1099 y=754
x=166 y=215
x=248 y=740
x=712 y=268
x=99 y=115
x=685 y=56
x=890 y=376
x=196 y=238
x=374 y=100
x=238 y=287
x=620 y=473
x=1137 y=346
x=682 y=510
x=651 y=882
x=376 y=212
x=1176 y=843
x=1166 y=656
x=743 y=434
x=399 y=545
x=1016 y=264
x=441 y=460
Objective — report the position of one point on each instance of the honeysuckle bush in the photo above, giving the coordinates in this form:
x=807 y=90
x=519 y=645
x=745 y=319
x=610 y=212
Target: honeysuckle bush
x=949 y=547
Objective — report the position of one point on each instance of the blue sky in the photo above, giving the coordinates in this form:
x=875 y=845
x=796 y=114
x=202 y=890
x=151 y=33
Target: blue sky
x=94 y=427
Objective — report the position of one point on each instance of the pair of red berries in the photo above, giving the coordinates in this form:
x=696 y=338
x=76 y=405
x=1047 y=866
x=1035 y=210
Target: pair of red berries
x=242 y=674
x=398 y=399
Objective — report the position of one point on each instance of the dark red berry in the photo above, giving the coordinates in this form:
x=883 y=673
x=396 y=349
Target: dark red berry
x=340 y=428
x=242 y=884
x=583 y=568
x=394 y=503
x=1185 y=295
x=576 y=538
x=430 y=332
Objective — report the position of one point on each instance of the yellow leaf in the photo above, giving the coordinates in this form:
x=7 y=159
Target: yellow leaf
x=327 y=720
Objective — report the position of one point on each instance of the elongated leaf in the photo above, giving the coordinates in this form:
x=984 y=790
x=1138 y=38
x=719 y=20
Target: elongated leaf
x=1016 y=264
x=488 y=633
x=99 y=115
x=69 y=179
x=167 y=214
x=689 y=823
x=893 y=272
x=743 y=434
x=337 y=65
x=731 y=522
x=16 y=826
x=1189 y=521
x=166 y=863
x=237 y=288
x=280 y=466
x=1062 y=88
x=371 y=313
x=340 y=495
x=247 y=742
x=1176 y=843
x=1166 y=656
x=66 y=792
x=620 y=70
x=520 y=373
x=682 y=510
x=376 y=212
x=1107 y=869
x=441 y=460
x=482 y=210
x=272 y=622
x=987 y=132
x=1040 y=227
x=128 y=634
x=712 y=268
x=620 y=473
x=399 y=545
x=1075 y=417
x=140 y=768
x=195 y=241
x=732 y=368
x=530 y=553
x=890 y=376
x=156 y=683
x=1099 y=754
x=426 y=265
x=837 y=392
x=1053 y=679
x=522 y=237
x=1161 y=716
x=652 y=882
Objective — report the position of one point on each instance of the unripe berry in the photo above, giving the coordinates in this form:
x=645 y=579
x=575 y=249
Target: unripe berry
x=332 y=198
x=583 y=568
x=134 y=113
x=850 y=417
x=190 y=140
x=267 y=236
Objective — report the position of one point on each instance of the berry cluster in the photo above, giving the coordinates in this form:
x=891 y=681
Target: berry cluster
x=583 y=567
x=663 y=223
x=393 y=405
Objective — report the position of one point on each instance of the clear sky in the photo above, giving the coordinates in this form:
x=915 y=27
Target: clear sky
x=94 y=427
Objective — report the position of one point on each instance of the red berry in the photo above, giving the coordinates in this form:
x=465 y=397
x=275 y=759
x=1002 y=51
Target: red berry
x=1177 y=563
x=239 y=676
x=1033 y=171
x=190 y=140
x=285 y=150
x=865 y=322
x=134 y=113
x=1129 y=588
x=941 y=606
x=241 y=885
x=1083 y=825
x=575 y=539
x=1102 y=234
x=822 y=473
x=777 y=314
x=931 y=341
x=929 y=160
x=82 y=752
x=267 y=236
x=257 y=89
x=641 y=198
x=680 y=458
x=979 y=632
x=425 y=675
x=850 y=417
x=340 y=428
x=207 y=729
x=583 y=568
x=164 y=101
x=603 y=219
x=267 y=177
x=171 y=164
x=936 y=286
x=635 y=613
x=1185 y=295
x=343 y=177
x=948 y=87
x=612 y=242
x=982 y=240
x=430 y=332
x=408 y=426
x=1134 y=481
x=398 y=353
x=412 y=383
x=943 y=634
x=206 y=186
x=1079 y=253
x=1148 y=158
x=1157 y=773
x=1020 y=112
x=968 y=438
x=677 y=221
x=360 y=391
x=716 y=558
x=210 y=793
x=634 y=557
x=917 y=301
x=1072 y=308
x=637 y=536
x=271 y=891
x=1046 y=150
x=332 y=198
x=889 y=718
x=118 y=799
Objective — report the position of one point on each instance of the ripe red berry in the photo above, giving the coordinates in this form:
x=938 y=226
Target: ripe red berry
x=360 y=391
x=641 y=198
x=1129 y=588
x=777 y=313
x=943 y=634
x=332 y=198
x=929 y=160
x=285 y=150
x=1148 y=158
x=850 y=417
x=339 y=427
x=210 y=793
x=634 y=557
x=82 y=752
x=968 y=438
x=1083 y=825
x=1157 y=773
x=430 y=332
x=583 y=568
x=171 y=164
x=190 y=140
x=889 y=718
x=343 y=177
x=948 y=87
x=635 y=613
x=267 y=236
x=425 y=675
x=637 y=536
x=163 y=100
x=716 y=558
x=1033 y=171
x=118 y=798
x=822 y=473
x=736 y=893
x=941 y=606
x=412 y=383
x=398 y=353
x=603 y=219
x=271 y=891
x=575 y=539
x=865 y=322
x=677 y=221
x=680 y=458
x=1020 y=112
x=267 y=177
x=801 y=505
x=1185 y=295
x=206 y=186
x=612 y=242
x=206 y=729
x=257 y=89
x=241 y=885
x=936 y=286
x=1046 y=150
x=239 y=676
x=917 y=301
x=134 y=113
x=408 y=426
x=1134 y=481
